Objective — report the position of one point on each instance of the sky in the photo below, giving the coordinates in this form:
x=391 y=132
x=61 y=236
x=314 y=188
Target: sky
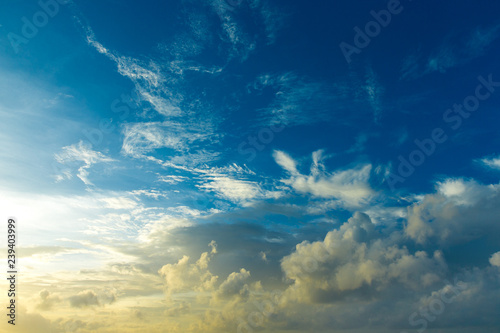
x=251 y=165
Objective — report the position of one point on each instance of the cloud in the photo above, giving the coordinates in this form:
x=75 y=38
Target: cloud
x=178 y=310
x=235 y=284
x=232 y=189
x=89 y=298
x=47 y=300
x=297 y=101
x=452 y=187
x=142 y=138
x=461 y=211
x=171 y=179
x=184 y=276
x=150 y=83
x=359 y=275
x=81 y=152
x=495 y=259
x=189 y=130
x=119 y=203
x=374 y=90
x=493 y=163
x=186 y=140
x=33 y=322
x=356 y=260
x=350 y=187
x=274 y=19
x=84 y=299
x=239 y=33
x=286 y=162
x=363 y=277
x=454 y=51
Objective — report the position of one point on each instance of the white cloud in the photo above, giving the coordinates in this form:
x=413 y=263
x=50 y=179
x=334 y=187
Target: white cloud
x=171 y=179
x=493 y=163
x=233 y=189
x=452 y=187
x=150 y=83
x=143 y=138
x=119 y=203
x=460 y=212
x=495 y=259
x=184 y=276
x=81 y=152
x=285 y=161
x=185 y=211
x=351 y=187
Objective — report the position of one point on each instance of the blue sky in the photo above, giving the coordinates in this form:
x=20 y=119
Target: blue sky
x=141 y=136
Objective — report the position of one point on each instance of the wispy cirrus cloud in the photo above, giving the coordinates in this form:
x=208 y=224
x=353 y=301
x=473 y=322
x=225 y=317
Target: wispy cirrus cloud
x=374 y=91
x=159 y=84
x=451 y=53
x=81 y=152
x=236 y=190
x=151 y=84
x=297 y=100
x=236 y=30
x=142 y=138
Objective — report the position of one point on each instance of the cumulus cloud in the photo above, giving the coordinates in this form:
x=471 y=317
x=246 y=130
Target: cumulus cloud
x=461 y=211
x=495 y=259
x=47 y=300
x=179 y=309
x=235 y=284
x=186 y=276
x=358 y=261
x=360 y=276
x=89 y=298
x=364 y=276
x=84 y=299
